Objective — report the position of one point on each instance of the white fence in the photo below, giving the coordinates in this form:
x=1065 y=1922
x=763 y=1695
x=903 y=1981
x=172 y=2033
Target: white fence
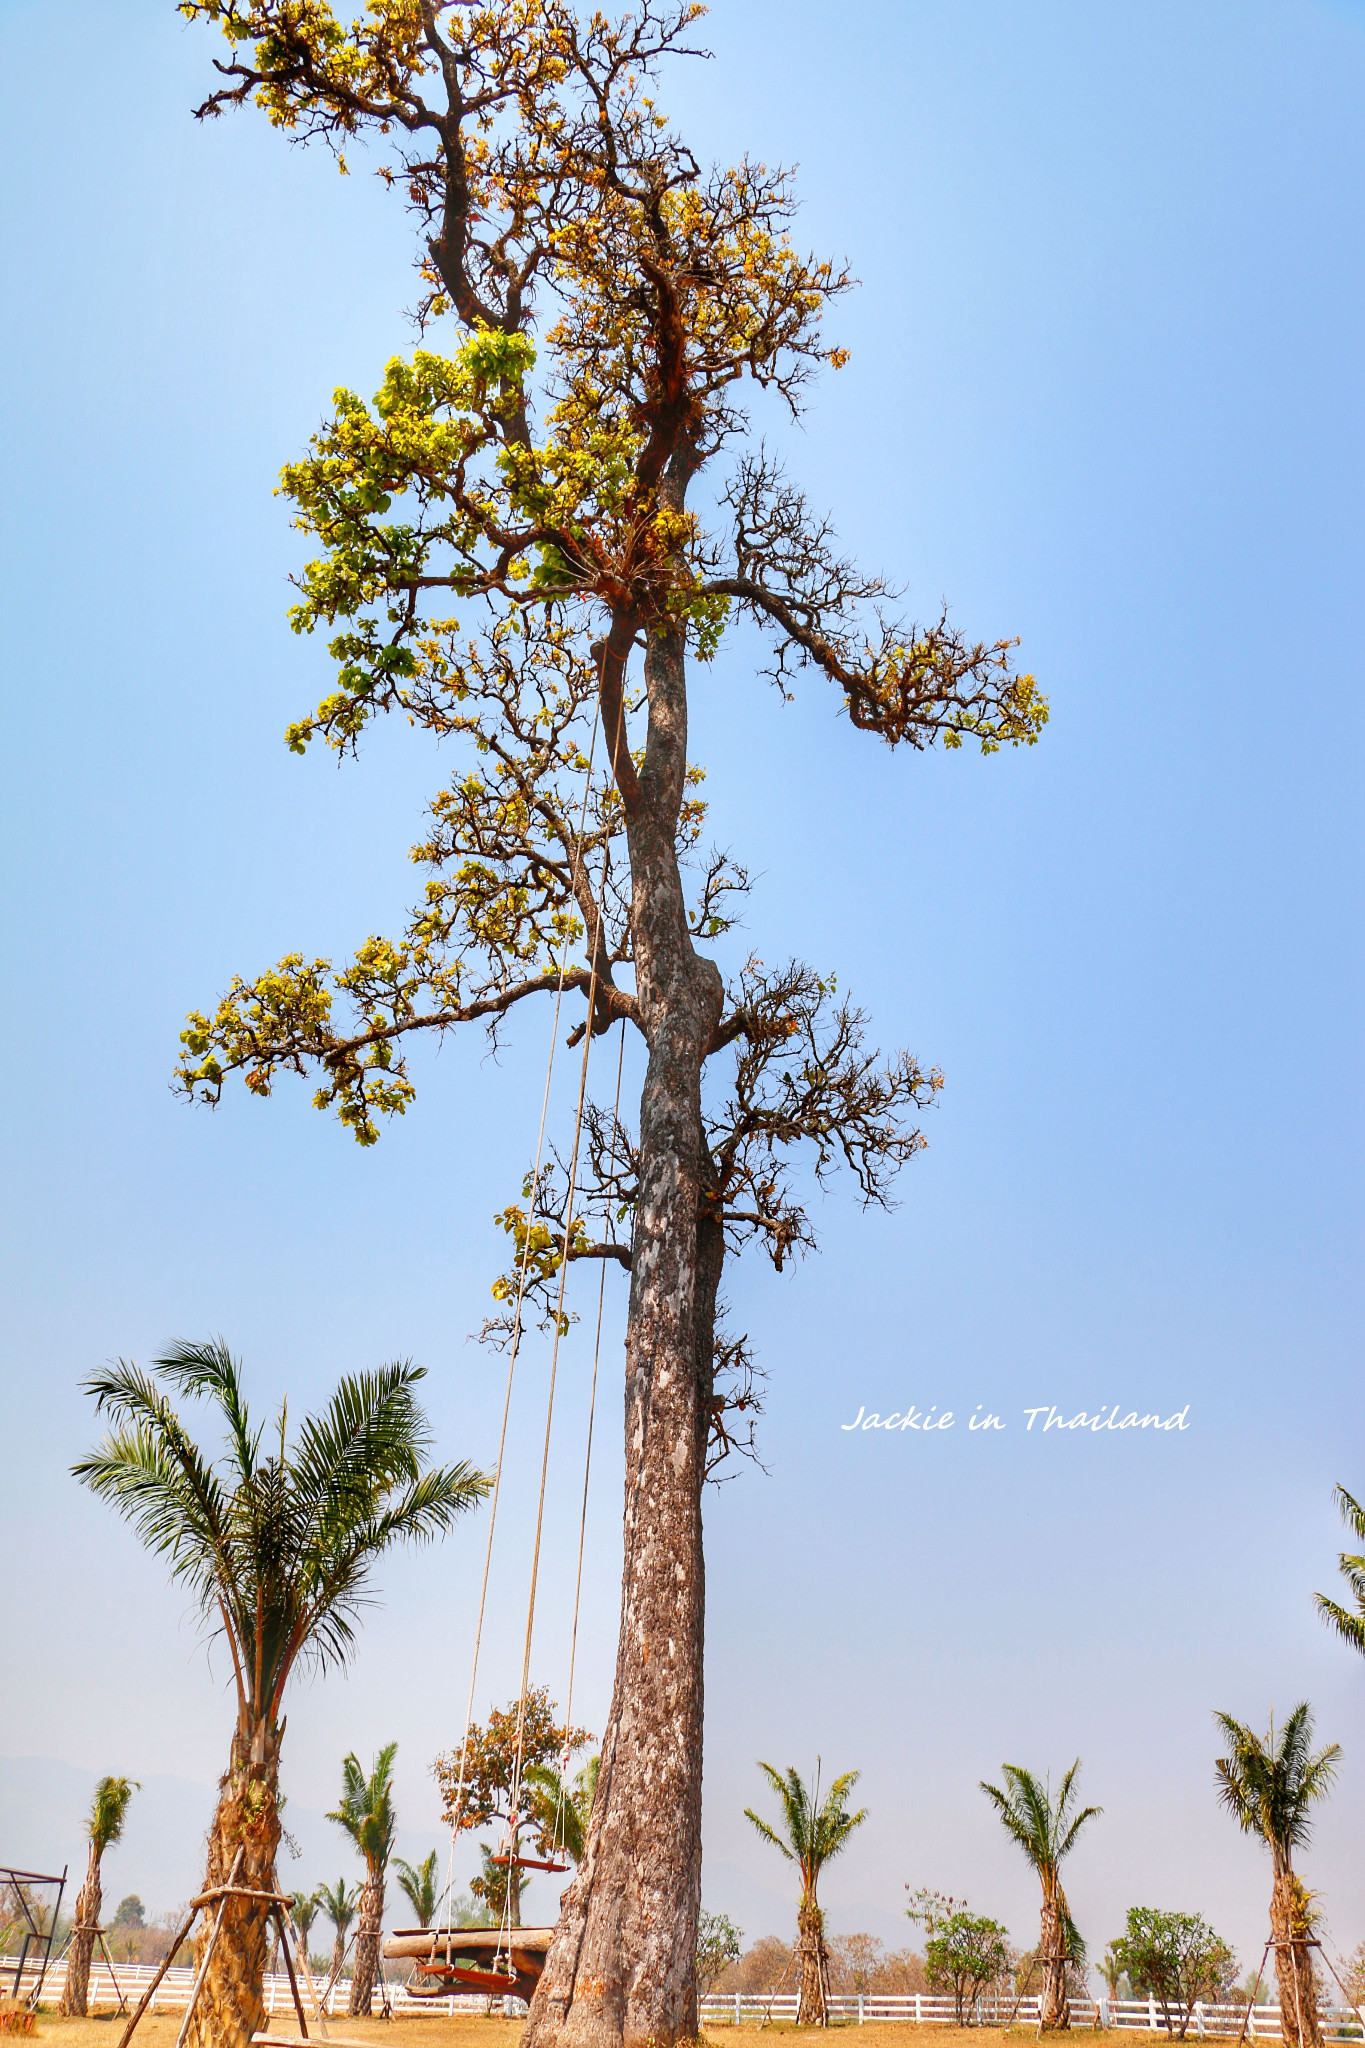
x=923 y=2009
x=737 y=2008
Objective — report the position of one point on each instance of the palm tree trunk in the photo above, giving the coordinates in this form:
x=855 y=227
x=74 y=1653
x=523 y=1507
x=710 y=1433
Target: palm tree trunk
x=232 y=2004
x=811 y=2010
x=1290 y=1925
x=1055 y=2014
x=338 y=1955
x=368 y=1929
x=622 y=1968
x=76 y=1990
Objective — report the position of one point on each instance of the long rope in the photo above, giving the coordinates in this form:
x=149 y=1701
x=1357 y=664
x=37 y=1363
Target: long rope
x=514 y=1802
x=561 y=1826
x=515 y=1347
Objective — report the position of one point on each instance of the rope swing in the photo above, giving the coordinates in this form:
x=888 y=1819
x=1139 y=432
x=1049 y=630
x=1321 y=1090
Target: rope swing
x=502 y=1975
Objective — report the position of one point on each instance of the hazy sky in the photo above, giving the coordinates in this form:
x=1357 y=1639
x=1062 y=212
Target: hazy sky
x=1105 y=393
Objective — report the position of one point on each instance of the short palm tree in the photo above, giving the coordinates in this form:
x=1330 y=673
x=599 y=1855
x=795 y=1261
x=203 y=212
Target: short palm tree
x=367 y=1814
x=1349 y=1626
x=418 y=1886
x=304 y=1908
x=276 y=1541
x=1268 y=1787
x=104 y=1825
x=811 y=1832
x=1046 y=1831
x=560 y=1809
x=338 y=1902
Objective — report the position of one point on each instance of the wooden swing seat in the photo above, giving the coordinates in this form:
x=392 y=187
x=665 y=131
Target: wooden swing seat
x=529 y=1863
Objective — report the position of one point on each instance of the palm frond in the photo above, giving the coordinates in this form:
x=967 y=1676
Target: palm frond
x=108 y=1810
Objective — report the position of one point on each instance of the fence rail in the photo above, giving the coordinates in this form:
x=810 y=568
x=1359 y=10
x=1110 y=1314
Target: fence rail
x=926 y=2010
x=861 y=2008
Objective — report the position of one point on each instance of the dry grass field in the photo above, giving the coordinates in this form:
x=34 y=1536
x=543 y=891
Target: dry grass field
x=425 y=2031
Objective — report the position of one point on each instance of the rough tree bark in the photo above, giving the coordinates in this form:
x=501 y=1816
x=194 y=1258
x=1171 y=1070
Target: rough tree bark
x=76 y=1990
x=232 y=2003
x=812 y=2009
x=622 y=1966
x=1055 y=2011
x=369 y=1927
x=1290 y=1928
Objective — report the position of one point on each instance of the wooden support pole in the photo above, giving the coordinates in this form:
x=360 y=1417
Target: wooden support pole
x=202 y=1976
x=289 y=1966
x=152 y=1988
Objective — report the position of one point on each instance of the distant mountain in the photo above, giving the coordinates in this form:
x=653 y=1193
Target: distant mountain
x=43 y=1805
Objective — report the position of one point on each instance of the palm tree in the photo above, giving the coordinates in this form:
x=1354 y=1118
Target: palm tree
x=560 y=1810
x=104 y=1825
x=304 y=1908
x=1046 y=1831
x=367 y=1814
x=276 y=1541
x=419 y=1887
x=1268 y=1788
x=1350 y=1627
x=811 y=1834
x=338 y=1902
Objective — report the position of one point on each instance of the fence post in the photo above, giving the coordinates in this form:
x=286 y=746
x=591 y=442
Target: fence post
x=1151 y=2013
x=919 y=2010
x=737 y=2008
x=1199 y=2017
x=860 y=2008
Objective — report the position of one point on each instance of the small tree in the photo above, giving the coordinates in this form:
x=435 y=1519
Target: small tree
x=1175 y=1958
x=277 y=1543
x=304 y=1908
x=479 y=1783
x=718 y=1942
x=811 y=1834
x=103 y=1826
x=968 y=1952
x=1046 y=1831
x=418 y=1886
x=561 y=1811
x=1269 y=1787
x=366 y=1812
x=339 y=1902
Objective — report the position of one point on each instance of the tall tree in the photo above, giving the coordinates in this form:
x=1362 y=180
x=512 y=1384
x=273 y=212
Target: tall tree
x=339 y=1902
x=367 y=1814
x=809 y=1832
x=612 y=297
x=1269 y=1787
x=1348 y=1622
x=1046 y=1831
x=277 y=1542
x=493 y=1776
x=418 y=1884
x=104 y=1825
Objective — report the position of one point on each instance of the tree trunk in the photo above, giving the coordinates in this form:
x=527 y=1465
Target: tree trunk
x=231 y=2004
x=338 y=1954
x=621 y=1971
x=76 y=1990
x=1290 y=1925
x=1055 y=2012
x=369 y=1927
x=811 y=2010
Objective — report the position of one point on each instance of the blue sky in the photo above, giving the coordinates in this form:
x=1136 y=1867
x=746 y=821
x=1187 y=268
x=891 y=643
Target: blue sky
x=1105 y=392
